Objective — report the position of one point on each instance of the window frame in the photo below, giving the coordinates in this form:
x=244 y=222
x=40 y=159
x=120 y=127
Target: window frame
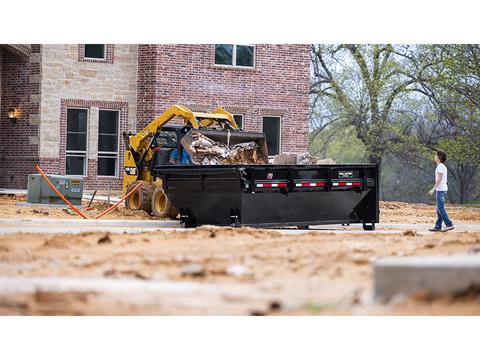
x=279 y=132
x=104 y=58
x=77 y=152
x=107 y=154
x=243 y=120
x=234 y=57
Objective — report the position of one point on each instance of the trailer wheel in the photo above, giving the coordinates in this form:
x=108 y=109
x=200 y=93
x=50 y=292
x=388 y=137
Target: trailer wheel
x=140 y=199
x=162 y=207
x=303 y=227
x=367 y=227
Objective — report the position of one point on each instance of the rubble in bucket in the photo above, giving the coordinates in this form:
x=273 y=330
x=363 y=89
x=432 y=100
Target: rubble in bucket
x=299 y=159
x=205 y=151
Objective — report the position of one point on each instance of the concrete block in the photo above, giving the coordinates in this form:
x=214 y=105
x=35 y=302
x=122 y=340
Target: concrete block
x=435 y=274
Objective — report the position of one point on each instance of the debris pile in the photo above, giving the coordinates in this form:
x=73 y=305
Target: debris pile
x=205 y=151
x=299 y=159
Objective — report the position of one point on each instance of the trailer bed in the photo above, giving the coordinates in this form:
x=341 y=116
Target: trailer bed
x=273 y=195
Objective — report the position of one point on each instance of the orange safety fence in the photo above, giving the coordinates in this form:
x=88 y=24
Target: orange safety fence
x=60 y=194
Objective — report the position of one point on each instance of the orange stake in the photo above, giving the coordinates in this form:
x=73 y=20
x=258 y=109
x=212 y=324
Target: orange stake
x=59 y=194
x=98 y=216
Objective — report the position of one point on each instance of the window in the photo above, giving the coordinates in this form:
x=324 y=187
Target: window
x=235 y=55
x=95 y=51
x=271 y=128
x=76 y=141
x=107 y=142
x=239 y=120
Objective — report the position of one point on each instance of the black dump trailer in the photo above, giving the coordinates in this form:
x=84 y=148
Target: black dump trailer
x=273 y=195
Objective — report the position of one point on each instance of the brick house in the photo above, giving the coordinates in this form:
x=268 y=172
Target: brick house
x=66 y=106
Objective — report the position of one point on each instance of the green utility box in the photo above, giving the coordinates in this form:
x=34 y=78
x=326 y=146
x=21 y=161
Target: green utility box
x=69 y=186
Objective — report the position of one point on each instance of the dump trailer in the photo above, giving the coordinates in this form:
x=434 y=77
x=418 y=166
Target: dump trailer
x=273 y=195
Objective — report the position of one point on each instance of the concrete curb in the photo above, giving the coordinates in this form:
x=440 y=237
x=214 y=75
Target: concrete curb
x=91 y=222
x=435 y=274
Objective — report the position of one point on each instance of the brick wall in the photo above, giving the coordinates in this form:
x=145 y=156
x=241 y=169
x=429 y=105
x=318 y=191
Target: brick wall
x=141 y=81
x=187 y=75
x=20 y=88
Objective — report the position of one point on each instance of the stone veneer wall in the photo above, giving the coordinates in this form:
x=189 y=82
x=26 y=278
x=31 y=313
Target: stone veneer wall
x=69 y=81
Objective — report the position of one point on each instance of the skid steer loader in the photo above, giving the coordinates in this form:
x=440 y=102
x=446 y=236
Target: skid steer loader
x=153 y=146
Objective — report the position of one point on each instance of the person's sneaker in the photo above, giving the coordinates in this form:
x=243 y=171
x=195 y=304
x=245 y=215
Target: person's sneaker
x=448 y=228
x=435 y=229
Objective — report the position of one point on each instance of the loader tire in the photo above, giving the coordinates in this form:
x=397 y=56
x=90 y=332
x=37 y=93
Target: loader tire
x=162 y=207
x=140 y=199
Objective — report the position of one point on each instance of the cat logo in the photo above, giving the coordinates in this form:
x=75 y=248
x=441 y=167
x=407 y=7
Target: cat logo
x=269 y=176
x=131 y=170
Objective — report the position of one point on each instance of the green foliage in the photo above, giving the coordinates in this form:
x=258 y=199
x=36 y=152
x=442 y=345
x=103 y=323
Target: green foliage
x=340 y=144
x=463 y=149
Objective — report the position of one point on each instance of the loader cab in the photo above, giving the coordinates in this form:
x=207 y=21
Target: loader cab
x=166 y=142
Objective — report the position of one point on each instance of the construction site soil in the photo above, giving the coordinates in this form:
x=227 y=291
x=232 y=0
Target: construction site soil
x=213 y=270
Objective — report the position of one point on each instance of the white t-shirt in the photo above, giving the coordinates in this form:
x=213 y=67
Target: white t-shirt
x=441 y=169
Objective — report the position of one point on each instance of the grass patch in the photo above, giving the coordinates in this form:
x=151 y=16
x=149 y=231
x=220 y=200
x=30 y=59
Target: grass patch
x=315 y=307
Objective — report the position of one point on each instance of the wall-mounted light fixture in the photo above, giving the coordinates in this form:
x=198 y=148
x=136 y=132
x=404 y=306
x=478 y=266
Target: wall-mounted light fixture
x=12 y=115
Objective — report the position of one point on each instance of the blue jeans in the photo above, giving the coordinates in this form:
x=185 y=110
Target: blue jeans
x=441 y=213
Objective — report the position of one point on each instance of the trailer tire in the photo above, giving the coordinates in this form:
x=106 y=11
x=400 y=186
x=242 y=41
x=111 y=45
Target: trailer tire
x=140 y=199
x=368 y=227
x=162 y=207
x=303 y=227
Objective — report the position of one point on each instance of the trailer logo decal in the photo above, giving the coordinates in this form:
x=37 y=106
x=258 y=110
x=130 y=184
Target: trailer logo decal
x=345 y=174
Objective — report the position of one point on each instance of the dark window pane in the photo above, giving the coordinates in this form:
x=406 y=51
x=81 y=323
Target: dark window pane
x=271 y=128
x=76 y=142
x=96 y=51
x=75 y=165
x=107 y=143
x=244 y=55
x=223 y=54
x=106 y=166
x=239 y=120
x=108 y=122
x=108 y=130
x=77 y=120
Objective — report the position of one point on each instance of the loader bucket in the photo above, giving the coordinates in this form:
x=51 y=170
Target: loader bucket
x=227 y=140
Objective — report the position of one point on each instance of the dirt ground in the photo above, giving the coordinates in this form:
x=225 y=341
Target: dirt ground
x=417 y=213
x=390 y=212
x=13 y=206
x=212 y=270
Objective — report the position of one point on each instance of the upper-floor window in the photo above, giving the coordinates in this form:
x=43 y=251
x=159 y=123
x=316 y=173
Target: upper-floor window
x=95 y=51
x=235 y=55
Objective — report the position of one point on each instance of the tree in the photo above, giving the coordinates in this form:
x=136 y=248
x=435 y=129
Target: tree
x=359 y=86
x=450 y=79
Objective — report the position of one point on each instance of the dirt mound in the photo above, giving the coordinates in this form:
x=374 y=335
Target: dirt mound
x=63 y=242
